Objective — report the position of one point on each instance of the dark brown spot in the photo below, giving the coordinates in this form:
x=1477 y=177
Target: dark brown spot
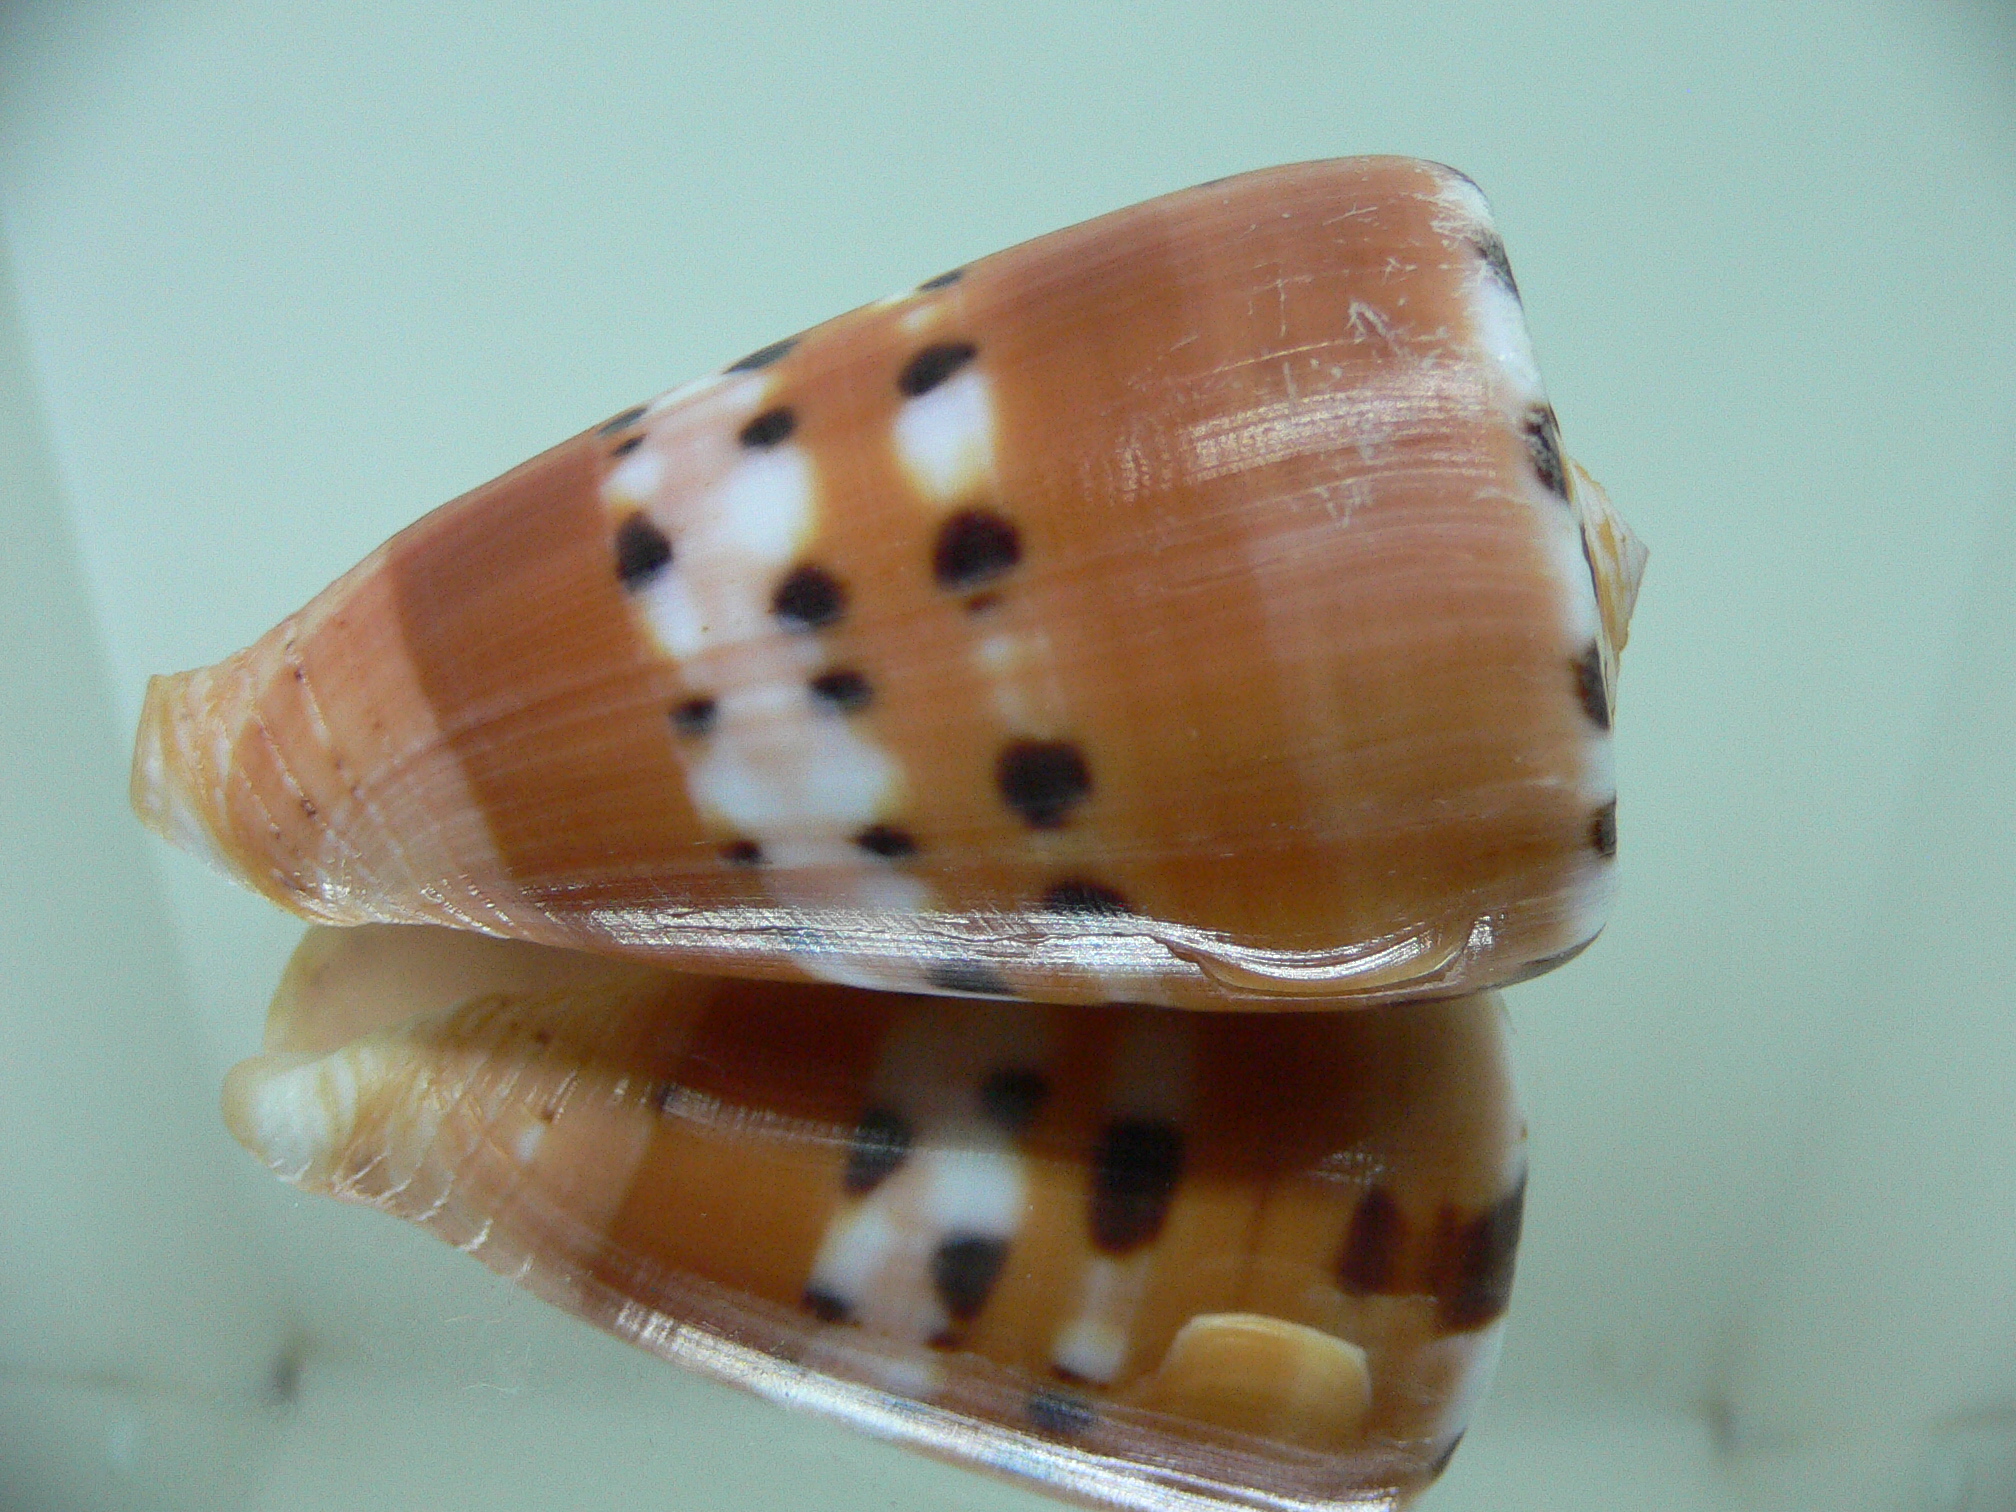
x=933 y=366
x=642 y=551
x=975 y=546
x=980 y=603
x=1042 y=780
x=1588 y=671
x=626 y=446
x=1134 y=1174
x=1474 y=1261
x=942 y=281
x=826 y=1307
x=624 y=421
x=810 y=598
x=964 y=1270
x=1370 y=1259
x=887 y=840
x=769 y=428
x=975 y=977
x=844 y=690
x=694 y=717
x=880 y=1143
x=1060 y=1413
x=1543 y=448
x=1076 y=896
x=1491 y=247
x=763 y=357
x=742 y=853
x=1603 y=831
x=1011 y=1099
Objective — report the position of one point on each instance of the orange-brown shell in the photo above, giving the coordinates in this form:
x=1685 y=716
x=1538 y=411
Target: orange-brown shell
x=1192 y=607
x=1118 y=1251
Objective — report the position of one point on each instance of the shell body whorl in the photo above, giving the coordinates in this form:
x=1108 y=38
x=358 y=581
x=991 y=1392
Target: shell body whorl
x=1191 y=607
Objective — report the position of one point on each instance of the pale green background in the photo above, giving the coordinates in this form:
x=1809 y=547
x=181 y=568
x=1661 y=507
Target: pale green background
x=278 y=279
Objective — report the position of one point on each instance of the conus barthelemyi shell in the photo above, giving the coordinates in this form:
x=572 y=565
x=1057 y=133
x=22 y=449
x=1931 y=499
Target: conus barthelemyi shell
x=1191 y=607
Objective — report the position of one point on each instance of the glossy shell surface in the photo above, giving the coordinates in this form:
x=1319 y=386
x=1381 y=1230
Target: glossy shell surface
x=1192 y=607
x=1138 y=1257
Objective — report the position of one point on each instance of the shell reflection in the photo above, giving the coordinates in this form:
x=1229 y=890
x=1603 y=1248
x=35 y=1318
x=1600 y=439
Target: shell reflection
x=1130 y=1254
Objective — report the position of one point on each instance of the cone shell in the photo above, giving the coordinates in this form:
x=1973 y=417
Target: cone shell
x=1141 y=1258
x=1191 y=607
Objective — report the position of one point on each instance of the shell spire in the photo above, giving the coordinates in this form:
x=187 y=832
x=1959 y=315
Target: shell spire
x=1193 y=607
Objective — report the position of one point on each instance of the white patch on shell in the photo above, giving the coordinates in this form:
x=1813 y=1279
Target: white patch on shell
x=635 y=479
x=960 y=1178
x=975 y=1191
x=773 y=766
x=303 y=1109
x=676 y=617
x=187 y=828
x=1096 y=1342
x=1464 y=200
x=945 y=438
x=1497 y=322
x=766 y=504
x=790 y=781
x=297 y=1114
x=1154 y=1077
x=856 y=1247
x=1500 y=325
x=752 y=523
x=1581 y=619
x=1021 y=676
